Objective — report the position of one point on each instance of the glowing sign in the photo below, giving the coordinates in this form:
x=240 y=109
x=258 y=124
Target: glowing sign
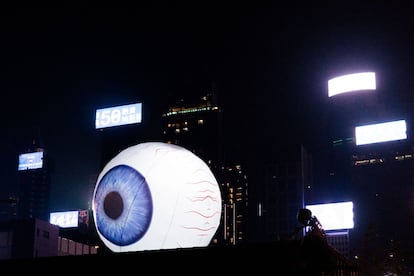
x=64 y=219
x=351 y=82
x=156 y=196
x=382 y=132
x=118 y=115
x=334 y=216
x=31 y=160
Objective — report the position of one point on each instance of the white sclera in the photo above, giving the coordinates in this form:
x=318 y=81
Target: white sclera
x=186 y=197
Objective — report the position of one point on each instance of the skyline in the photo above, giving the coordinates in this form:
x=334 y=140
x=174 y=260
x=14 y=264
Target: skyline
x=271 y=67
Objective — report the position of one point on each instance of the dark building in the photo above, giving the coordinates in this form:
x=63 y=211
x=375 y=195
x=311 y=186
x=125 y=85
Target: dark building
x=30 y=239
x=9 y=208
x=287 y=180
x=376 y=177
x=382 y=180
x=196 y=124
x=339 y=240
x=233 y=183
x=378 y=180
x=34 y=183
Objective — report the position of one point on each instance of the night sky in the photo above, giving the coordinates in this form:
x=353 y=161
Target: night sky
x=271 y=65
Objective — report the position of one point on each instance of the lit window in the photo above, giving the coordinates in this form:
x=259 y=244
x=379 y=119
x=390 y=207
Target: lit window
x=361 y=162
x=200 y=121
x=375 y=160
x=399 y=158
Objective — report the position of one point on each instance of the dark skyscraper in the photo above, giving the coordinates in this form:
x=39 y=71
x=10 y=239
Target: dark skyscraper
x=377 y=177
x=381 y=188
x=287 y=179
x=8 y=208
x=34 y=195
x=197 y=126
x=234 y=186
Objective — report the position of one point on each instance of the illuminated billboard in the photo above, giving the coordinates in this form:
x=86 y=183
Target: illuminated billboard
x=382 y=132
x=64 y=219
x=118 y=115
x=334 y=216
x=351 y=82
x=155 y=196
x=30 y=160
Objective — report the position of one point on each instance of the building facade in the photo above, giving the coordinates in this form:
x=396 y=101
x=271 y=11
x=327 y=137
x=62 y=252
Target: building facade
x=376 y=177
x=9 y=208
x=233 y=183
x=196 y=124
x=34 y=238
x=287 y=179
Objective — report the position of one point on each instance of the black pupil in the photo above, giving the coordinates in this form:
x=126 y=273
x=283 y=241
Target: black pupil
x=113 y=205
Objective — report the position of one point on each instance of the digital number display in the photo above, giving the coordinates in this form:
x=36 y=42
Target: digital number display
x=118 y=115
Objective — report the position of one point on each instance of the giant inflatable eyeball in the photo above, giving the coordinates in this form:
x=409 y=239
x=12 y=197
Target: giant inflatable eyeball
x=155 y=196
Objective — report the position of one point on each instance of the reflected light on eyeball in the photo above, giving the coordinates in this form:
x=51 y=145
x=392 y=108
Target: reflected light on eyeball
x=155 y=196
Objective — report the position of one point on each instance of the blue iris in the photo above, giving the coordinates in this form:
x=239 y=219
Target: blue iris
x=123 y=205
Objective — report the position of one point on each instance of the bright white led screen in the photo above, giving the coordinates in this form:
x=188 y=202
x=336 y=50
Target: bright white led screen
x=64 y=219
x=334 y=216
x=351 y=82
x=382 y=132
x=118 y=115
